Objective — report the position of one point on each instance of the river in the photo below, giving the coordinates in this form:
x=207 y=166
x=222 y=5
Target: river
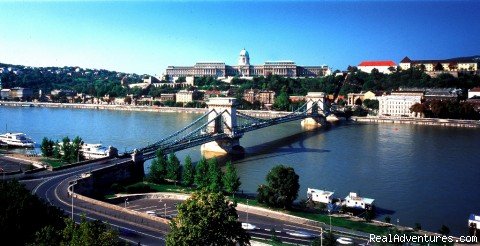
x=423 y=174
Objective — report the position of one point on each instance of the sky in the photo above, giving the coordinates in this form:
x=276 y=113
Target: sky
x=145 y=37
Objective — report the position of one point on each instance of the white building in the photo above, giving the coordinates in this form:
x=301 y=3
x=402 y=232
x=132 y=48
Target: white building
x=355 y=201
x=474 y=92
x=321 y=196
x=398 y=104
x=185 y=96
x=385 y=67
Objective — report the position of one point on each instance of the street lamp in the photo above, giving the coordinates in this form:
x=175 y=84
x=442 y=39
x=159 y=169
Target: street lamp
x=126 y=201
x=321 y=236
x=165 y=205
x=73 y=193
x=247 y=210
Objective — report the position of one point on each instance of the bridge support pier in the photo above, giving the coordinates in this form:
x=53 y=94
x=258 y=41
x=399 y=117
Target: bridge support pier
x=138 y=171
x=223 y=125
x=316 y=107
x=222 y=147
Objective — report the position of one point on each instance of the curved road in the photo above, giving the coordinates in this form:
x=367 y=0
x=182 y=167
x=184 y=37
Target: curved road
x=53 y=187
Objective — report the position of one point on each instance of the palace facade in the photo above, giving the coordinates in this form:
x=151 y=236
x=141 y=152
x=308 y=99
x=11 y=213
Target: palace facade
x=244 y=69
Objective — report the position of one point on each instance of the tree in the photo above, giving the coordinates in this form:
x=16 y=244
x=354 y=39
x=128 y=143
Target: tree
x=66 y=148
x=207 y=219
x=158 y=168
x=24 y=214
x=214 y=176
x=173 y=168
x=47 y=147
x=231 y=181
x=388 y=219
x=56 y=150
x=188 y=176
x=281 y=189
x=418 y=109
x=438 y=67
x=127 y=100
x=76 y=145
x=89 y=233
x=282 y=102
x=371 y=103
x=201 y=174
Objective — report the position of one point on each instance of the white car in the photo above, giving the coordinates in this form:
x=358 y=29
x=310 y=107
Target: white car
x=248 y=226
x=344 y=241
x=302 y=234
x=151 y=213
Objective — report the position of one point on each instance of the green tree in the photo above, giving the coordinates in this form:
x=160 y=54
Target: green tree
x=173 y=168
x=207 y=219
x=231 y=181
x=188 y=176
x=89 y=233
x=47 y=147
x=66 y=148
x=56 y=150
x=214 y=176
x=281 y=189
x=282 y=101
x=372 y=104
x=158 y=168
x=201 y=174
x=76 y=146
x=24 y=214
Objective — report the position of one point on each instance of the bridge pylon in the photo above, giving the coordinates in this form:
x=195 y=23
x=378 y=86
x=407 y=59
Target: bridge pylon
x=226 y=124
x=316 y=106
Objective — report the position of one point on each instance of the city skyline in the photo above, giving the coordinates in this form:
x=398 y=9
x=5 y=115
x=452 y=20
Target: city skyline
x=146 y=37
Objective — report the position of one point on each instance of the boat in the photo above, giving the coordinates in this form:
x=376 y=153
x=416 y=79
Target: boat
x=94 y=151
x=17 y=140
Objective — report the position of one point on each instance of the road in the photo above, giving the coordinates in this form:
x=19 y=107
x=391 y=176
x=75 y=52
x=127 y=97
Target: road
x=53 y=187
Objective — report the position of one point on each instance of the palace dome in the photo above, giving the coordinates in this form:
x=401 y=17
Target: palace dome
x=244 y=53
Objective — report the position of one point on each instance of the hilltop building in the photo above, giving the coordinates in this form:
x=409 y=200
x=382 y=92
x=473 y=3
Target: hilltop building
x=450 y=65
x=385 y=67
x=245 y=69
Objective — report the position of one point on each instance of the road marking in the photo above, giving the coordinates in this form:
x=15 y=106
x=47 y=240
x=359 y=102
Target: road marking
x=313 y=227
x=146 y=208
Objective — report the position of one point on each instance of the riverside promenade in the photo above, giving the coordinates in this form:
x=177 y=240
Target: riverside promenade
x=254 y=113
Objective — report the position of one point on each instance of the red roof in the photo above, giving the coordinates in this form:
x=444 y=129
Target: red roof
x=378 y=64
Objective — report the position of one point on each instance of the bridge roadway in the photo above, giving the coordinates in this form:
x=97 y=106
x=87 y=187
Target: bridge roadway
x=53 y=188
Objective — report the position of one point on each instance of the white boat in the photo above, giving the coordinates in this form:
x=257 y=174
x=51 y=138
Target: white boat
x=17 y=140
x=94 y=151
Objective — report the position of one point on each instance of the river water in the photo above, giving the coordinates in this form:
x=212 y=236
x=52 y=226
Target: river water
x=423 y=174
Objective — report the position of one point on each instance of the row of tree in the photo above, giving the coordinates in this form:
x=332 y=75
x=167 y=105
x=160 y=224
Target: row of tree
x=67 y=151
x=445 y=110
x=204 y=175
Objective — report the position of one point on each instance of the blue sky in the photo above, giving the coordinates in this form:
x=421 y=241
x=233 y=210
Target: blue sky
x=146 y=37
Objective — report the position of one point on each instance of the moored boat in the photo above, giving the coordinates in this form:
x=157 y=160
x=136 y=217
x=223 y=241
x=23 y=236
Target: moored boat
x=16 y=140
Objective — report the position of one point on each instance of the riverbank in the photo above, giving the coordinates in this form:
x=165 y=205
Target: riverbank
x=420 y=121
x=254 y=113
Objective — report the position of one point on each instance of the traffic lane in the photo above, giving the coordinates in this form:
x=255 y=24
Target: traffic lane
x=265 y=225
x=12 y=165
x=51 y=192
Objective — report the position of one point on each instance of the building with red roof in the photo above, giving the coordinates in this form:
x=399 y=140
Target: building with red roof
x=382 y=66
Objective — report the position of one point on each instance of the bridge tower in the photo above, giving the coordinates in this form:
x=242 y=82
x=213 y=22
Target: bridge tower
x=224 y=124
x=316 y=107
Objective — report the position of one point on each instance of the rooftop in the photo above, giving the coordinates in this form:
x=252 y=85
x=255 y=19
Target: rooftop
x=377 y=63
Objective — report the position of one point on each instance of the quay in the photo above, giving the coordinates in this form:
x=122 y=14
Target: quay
x=420 y=121
x=253 y=113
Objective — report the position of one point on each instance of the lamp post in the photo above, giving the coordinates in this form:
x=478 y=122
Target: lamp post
x=247 y=210
x=126 y=201
x=165 y=205
x=73 y=194
x=321 y=236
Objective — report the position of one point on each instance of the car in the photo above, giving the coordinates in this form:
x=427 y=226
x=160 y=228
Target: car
x=344 y=241
x=151 y=213
x=302 y=234
x=248 y=226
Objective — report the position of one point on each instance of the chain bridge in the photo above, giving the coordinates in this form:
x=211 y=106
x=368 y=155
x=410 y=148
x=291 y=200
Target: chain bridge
x=220 y=129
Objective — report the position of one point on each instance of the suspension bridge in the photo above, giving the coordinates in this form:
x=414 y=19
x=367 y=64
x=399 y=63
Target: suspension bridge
x=221 y=127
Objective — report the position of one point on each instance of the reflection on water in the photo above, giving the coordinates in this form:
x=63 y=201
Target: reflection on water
x=418 y=174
